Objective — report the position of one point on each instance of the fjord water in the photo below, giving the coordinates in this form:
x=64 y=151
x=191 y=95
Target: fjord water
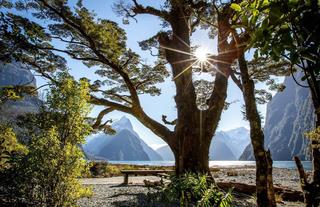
x=277 y=164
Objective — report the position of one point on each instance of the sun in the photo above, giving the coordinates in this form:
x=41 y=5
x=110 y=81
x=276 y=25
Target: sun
x=201 y=54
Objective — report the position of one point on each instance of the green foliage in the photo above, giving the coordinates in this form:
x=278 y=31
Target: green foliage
x=98 y=168
x=282 y=28
x=15 y=92
x=8 y=93
x=9 y=146
x=98 y=43
x=195 y=190
x=314 y=136
x=48 y=174
x=236 y=7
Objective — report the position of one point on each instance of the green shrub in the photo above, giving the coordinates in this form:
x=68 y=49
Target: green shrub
x=113 y=170
x=98 y=169
x=47 y=175
x=9 y=146
x=195 y=190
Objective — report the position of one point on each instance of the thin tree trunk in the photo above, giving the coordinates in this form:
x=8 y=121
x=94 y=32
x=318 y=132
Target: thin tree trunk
x=315 y=93
x=264 y=183
x=311 y=190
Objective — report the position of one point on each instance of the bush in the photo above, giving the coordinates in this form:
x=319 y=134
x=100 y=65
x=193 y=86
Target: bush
x=195 y=190
x=98 y=169
x=9 y=146
x=47 y=175
x=113 y=170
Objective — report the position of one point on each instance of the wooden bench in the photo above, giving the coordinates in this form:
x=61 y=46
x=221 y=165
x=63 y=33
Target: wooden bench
x=161 y=173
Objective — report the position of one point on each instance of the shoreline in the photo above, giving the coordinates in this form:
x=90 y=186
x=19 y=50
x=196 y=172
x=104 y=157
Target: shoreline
x=287 y=164
x=109 y=192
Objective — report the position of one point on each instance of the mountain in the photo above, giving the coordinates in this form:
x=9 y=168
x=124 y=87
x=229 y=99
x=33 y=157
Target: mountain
x=14 y=74
x=166 y=153
x=219 y=150
x=236 y=139
x=226 y=145
x=124 y=145
x=289 y=115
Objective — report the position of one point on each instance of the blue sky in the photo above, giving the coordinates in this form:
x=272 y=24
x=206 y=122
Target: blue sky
x=146 y=27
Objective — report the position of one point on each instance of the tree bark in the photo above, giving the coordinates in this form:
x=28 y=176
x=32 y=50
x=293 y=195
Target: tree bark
x=312 y=189
x=192 y=155
x=315 y=94
x=264 y=183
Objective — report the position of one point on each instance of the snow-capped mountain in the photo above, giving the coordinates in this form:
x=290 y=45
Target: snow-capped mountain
x=124 y=145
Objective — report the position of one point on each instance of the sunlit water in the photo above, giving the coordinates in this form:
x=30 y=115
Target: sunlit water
x=278 y=164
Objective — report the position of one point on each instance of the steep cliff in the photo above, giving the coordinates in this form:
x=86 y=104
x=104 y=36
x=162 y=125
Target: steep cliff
x=289 y=115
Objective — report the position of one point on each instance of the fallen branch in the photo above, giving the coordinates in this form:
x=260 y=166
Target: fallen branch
x=285 y=193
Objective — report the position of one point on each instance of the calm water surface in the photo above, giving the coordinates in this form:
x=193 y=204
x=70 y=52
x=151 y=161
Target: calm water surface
x=279 y=164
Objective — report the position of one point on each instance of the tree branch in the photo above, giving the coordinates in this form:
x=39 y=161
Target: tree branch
x=236 y=80
x=100 y=56
x=115 y=106
x=139 y=9
x=97 y=124
x=164 y=119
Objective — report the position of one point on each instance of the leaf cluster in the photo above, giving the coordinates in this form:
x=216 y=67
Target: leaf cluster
x=282 y=28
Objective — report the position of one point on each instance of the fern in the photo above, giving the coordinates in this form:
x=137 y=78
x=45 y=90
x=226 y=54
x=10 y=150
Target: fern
x=195 y=190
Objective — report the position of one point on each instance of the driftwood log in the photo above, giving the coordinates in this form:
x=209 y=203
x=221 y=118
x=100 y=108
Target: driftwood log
x=285 y=193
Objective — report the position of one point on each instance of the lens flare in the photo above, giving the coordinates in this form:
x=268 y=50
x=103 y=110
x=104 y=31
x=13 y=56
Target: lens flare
x=201 y=54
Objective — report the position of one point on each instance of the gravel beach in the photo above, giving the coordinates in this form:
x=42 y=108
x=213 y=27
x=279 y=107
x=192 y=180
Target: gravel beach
x=110 y=192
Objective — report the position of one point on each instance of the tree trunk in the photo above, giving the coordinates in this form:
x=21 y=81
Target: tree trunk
x=192 y=156
x=264 y=183
x=315 y=93
x=194 y=128
x=312 y=190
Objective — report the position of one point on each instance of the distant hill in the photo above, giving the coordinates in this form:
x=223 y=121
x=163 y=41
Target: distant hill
x=226 y=145
x=289 y=115
x=166 y=153
x=236 y=139
x=125 y=145
x=219 y=150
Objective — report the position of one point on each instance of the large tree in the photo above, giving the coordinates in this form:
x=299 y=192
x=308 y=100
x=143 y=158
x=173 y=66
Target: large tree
x=101 y=43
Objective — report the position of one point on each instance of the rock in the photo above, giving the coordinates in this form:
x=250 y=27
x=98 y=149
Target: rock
x=14 y=74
